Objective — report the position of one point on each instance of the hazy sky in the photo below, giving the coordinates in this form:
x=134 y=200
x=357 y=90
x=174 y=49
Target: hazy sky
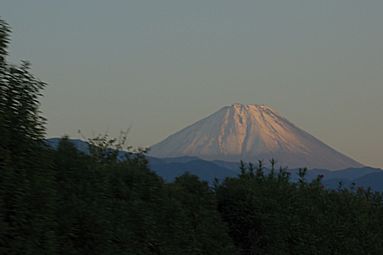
x=157 y=66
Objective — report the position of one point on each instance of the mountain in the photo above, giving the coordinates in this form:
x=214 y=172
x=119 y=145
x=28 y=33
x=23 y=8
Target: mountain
x=373 y=181
x=206 y=170
x=79 y=144
x=250 y=133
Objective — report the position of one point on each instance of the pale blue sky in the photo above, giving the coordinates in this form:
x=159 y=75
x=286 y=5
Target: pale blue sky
x=160 y=65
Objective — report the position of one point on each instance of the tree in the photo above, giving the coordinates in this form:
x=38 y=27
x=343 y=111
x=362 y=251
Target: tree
x=26 y=178
x=4 y=39
x=272 y=215
x=206 y=232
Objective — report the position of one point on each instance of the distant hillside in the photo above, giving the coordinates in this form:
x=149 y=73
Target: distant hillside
x=169 y=168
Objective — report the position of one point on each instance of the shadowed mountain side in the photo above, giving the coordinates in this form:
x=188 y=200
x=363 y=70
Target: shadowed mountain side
x=203 y=169
x=81 y=145
x=349 y=174
x=374 y=181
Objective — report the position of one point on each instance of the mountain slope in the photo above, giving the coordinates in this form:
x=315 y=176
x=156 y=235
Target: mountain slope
x=251 y=132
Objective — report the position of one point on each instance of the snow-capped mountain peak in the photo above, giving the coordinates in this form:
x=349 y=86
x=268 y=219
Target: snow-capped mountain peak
x=251 y=132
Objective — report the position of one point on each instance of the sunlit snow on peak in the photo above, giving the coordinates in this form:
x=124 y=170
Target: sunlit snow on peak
x=251 y=132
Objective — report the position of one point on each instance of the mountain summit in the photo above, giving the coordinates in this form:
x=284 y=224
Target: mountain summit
x=251 y=132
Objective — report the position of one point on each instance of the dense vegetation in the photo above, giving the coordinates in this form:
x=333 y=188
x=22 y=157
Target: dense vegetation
x=67 y=202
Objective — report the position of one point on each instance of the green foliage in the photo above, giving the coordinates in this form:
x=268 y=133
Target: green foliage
x=4 y=40
x=268 y=214
x=27 y=195
x=111 y=206
x=206 y=232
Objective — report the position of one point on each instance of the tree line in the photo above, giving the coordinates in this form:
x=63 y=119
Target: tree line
x=64 y=201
